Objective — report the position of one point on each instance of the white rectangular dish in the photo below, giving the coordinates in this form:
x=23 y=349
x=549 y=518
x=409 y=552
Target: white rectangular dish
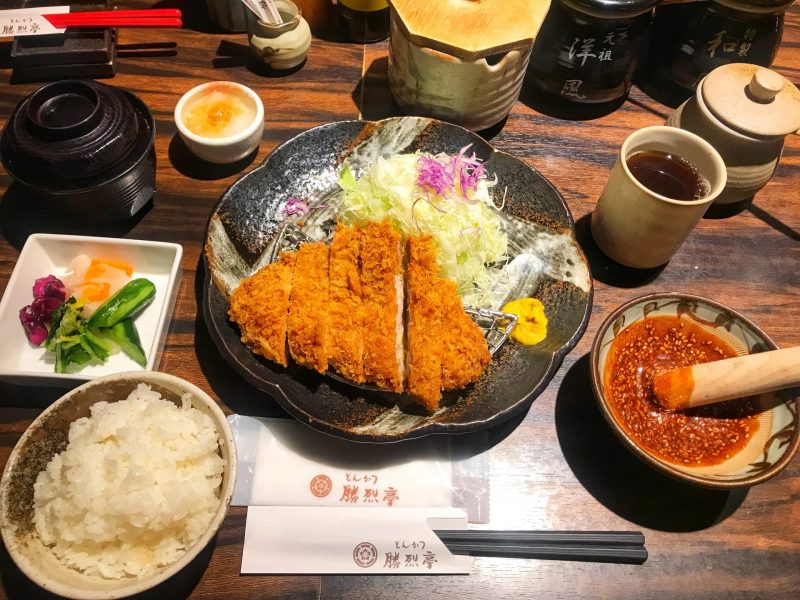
x=46 y=254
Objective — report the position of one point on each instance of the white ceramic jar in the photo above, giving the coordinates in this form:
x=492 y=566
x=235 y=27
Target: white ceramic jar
x=283 y=46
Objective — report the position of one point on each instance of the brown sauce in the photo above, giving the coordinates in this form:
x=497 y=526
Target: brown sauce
x=703 y=436
x=669 y=175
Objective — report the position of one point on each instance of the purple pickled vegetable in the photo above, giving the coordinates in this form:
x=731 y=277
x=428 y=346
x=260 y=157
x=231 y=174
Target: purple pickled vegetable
x=46 y=306
x=33 y=325
x=48 y=294
x=50 y=287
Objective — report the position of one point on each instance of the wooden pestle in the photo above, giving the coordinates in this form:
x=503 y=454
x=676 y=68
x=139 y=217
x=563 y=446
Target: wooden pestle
x=726 y=379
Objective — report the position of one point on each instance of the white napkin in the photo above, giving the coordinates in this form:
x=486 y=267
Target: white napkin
x=305 y=540
x=29 y=21
x=285 y=463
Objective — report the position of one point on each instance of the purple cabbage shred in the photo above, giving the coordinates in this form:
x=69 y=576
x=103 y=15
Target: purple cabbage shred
x=295 y=207
x=441 y=175
x=433 y=175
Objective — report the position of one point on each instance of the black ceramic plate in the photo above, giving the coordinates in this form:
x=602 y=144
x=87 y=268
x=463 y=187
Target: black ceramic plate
x=544 y=256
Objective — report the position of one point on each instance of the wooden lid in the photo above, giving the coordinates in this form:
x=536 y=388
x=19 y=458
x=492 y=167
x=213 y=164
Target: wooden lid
x=471 y=29
x=753 y=99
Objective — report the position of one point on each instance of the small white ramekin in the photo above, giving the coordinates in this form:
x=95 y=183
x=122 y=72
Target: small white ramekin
x=224 y=149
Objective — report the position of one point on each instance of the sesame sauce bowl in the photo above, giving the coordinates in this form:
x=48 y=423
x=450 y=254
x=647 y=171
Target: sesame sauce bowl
x=739 y=443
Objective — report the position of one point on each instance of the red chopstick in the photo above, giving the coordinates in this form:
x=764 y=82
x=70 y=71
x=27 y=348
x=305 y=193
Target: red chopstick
x=118 y=22
x=167 y=17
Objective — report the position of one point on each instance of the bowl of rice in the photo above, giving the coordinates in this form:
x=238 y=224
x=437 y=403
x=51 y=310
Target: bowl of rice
x=117 y=486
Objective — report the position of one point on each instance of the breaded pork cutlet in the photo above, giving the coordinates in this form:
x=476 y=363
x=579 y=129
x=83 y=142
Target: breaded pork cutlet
x=345 y=340
x=308 y=307
x=259 y=306
x=382 y=288
x=465 y=353
x=424 y=323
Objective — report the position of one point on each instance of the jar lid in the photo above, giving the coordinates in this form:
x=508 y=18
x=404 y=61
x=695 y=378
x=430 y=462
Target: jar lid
x=757 y=6
x=753 y=99
x=471 y=29
x=612 y=8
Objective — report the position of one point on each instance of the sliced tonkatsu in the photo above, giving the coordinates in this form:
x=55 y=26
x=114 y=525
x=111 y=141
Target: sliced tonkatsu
x=345 y=339
x=382 y=293
x=424 y=323
x=259 y=306
x=307 y=323
x=352 y=307
x=465 y=353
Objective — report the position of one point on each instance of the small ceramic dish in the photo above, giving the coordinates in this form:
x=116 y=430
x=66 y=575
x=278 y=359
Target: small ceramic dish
x=230 y=147
x=777 y=438
x=46 y=254
x=47 y=436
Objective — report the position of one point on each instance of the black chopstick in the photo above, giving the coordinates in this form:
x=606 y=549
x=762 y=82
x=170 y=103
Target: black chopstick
x=599 y=546
x=614 y=538
x=635 y=555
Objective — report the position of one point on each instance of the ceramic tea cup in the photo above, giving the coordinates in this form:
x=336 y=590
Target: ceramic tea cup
x=640 y=228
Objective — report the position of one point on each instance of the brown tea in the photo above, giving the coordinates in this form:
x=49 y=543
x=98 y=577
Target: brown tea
x=669 y=175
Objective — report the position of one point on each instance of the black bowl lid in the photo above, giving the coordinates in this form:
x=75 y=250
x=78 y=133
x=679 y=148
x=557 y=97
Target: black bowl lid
x=63 y=111
x=68 y=132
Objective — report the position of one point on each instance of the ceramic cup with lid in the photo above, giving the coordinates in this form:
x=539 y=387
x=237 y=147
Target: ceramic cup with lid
x=461 y=61
x=745 y=112
x=83 y=148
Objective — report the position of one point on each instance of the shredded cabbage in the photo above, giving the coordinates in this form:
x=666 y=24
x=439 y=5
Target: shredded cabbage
x=463 y=221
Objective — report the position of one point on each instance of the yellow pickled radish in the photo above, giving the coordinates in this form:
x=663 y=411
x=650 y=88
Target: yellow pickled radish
x=531 y=327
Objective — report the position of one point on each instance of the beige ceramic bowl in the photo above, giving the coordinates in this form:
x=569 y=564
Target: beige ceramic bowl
x=46 y=436
x=778 y=435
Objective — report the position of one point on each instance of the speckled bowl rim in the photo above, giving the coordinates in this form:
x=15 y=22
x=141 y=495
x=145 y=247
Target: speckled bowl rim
x=137 y=586
x=664 y=467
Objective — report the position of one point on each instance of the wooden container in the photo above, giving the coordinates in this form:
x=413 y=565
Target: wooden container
x=462 y=61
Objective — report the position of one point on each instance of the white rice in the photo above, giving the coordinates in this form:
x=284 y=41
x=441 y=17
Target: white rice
x=137 y=485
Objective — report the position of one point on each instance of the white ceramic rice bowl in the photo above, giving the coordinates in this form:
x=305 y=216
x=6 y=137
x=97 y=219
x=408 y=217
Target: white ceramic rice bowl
x=46 y=436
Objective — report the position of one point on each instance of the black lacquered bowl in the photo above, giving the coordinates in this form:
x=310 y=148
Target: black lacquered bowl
x=82 y=148
x=244 y=229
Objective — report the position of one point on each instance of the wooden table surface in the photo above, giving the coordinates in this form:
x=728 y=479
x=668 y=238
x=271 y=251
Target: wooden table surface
x=558 y=467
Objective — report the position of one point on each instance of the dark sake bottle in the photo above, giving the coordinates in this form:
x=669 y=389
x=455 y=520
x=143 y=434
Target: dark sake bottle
x=364 y=21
